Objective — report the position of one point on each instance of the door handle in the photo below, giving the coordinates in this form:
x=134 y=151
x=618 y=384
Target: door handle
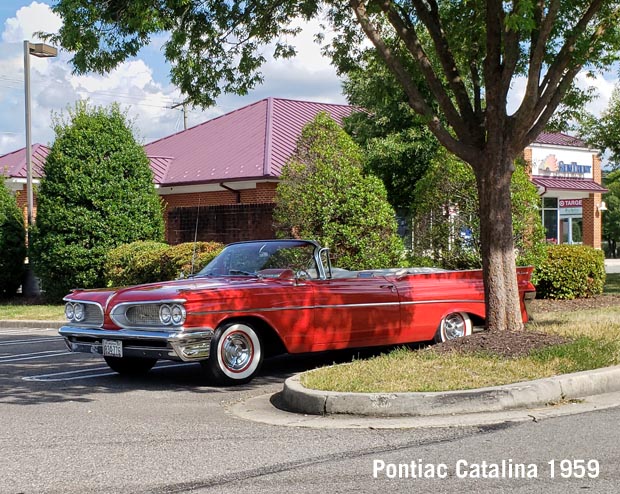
x=391 y=287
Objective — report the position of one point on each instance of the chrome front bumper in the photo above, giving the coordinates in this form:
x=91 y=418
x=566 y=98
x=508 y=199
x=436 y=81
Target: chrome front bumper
x=188 y=346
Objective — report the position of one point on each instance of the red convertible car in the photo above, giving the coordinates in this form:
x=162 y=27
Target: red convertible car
x=262 y=298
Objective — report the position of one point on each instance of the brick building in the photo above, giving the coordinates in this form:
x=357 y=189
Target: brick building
x=218 y=179
x=568 y=176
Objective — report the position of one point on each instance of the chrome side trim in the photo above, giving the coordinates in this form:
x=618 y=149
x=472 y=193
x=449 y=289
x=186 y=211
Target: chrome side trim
x=336 y=306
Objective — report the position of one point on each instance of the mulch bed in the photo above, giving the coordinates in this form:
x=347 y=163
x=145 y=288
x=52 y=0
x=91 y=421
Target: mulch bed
x=508 y=344
x=598 y=302
x=512 y=344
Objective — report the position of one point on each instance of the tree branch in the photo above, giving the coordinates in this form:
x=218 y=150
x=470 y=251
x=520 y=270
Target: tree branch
x=511 y=54
x=412 y=42
x=557 y=69
x=495 y=108
x=416 y=100
x=432 y=22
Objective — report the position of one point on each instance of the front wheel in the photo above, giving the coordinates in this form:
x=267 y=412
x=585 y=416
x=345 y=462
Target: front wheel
x=130 y=366
x=453 y=326
x=236 y=354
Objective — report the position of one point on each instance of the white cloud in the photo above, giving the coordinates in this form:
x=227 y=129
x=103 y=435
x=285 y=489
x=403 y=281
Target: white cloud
x=133 y=84
x=28 y=20
x=603 y=89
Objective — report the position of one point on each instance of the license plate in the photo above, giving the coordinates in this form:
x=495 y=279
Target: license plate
x=112 y=348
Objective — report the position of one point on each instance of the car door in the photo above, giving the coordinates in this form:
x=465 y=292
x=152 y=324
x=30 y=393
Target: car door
x=355 y=312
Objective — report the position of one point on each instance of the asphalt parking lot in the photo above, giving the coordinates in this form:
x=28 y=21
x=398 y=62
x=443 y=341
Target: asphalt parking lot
x=70 y=425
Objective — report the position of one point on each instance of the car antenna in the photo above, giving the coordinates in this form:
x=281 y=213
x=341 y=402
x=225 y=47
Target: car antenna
x=195 y=238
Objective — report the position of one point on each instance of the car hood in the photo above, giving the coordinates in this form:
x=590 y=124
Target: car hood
x=167 y=290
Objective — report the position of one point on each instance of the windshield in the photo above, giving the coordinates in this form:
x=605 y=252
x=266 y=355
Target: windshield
x=266 y=259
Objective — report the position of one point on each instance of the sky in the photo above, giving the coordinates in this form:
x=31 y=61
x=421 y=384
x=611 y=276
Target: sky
x=142 y=86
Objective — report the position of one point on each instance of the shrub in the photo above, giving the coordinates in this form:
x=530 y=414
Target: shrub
x=180 y=257
x=12 y=243
x=324 y=194
x=447 y=221
x=149 y=262
x=136 y=263
x=97 y=193
x=571 y=271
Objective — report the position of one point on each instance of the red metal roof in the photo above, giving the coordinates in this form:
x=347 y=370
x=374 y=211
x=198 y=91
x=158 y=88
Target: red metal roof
x=252 y=142
x=576 y=184
x=14 y=164
x=559 y=139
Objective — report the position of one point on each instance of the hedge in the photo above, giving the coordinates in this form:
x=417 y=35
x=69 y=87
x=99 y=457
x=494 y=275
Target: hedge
x=150 y=262
x=571 y=271
x=12 y=243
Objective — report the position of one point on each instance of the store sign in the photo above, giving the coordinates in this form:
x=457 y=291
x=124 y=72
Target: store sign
x=570 y=207
x=561 y=163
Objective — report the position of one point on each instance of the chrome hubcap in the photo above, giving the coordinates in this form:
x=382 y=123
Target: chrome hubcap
x=454 y=326
x=237 y=351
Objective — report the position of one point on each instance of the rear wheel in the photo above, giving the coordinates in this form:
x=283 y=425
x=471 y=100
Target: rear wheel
x=130 y=366
x=236 y=354
x=453 y=326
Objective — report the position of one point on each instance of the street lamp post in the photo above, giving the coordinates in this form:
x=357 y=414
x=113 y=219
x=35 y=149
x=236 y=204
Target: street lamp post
x=40 y=50
x=43 y=51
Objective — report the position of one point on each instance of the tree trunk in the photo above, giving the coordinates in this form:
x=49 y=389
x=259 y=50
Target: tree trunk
x=499 y=267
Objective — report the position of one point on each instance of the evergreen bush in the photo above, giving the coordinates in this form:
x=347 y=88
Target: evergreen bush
x=136 y=263
x=97 y=193
x=571 y=271
x=12 y=243
x=150 y=262
x=325 y=195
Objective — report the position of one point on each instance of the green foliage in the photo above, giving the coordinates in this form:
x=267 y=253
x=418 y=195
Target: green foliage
x=325 y=195
x=447 y=223
x=571 y=271
x=149 y=262
x=97 y=193
x=189 y=258
x=398 y=144
x=611 y=217
x=602 y=131
x=12 y=243
x=135 y=263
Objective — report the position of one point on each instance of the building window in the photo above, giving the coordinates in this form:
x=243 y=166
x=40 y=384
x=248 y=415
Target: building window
x=550 y=219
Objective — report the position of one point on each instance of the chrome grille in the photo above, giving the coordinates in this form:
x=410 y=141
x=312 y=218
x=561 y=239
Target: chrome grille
x=93 y=314
x=143 y=315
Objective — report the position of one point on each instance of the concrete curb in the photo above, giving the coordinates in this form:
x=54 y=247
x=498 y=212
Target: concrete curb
x=7 y=323
x=297 y=398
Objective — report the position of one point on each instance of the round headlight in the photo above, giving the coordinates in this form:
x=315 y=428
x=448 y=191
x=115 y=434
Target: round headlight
x=165 y=314
x=178 y=314
x=69 y=311
x=78 y=312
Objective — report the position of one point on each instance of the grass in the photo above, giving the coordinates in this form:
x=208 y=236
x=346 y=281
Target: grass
x=20 y=311
x=595 y=342
x=612 y=283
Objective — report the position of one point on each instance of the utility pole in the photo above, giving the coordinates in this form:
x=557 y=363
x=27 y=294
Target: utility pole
x=184 y=105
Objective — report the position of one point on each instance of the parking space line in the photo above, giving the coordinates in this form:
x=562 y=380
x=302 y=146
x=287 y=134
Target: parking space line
x=69 y=375
x=33 y=340
x=34 y=356
x=26 y=330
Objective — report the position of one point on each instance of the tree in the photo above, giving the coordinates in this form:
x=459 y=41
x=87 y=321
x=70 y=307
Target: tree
x=12 y=243
x=446 y=221
x=611 y=217
x=97 y=193
x=602 y=132
x=398 y=144
x=325 y=195
x=467 y=53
